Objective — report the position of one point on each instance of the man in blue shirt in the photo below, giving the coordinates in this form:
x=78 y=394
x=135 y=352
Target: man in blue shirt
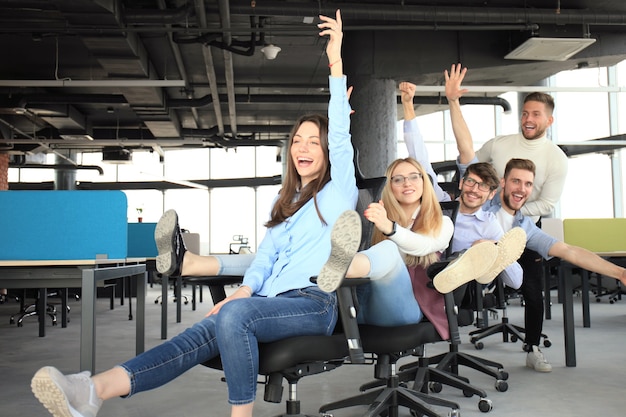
x=515 y=188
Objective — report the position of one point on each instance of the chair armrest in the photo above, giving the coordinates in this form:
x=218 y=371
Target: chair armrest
x=216 y=284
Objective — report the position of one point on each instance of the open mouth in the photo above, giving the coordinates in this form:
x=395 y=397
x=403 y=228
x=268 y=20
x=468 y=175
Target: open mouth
x=304 y=162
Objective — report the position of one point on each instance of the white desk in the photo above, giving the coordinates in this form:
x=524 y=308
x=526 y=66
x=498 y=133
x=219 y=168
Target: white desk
x=84 y=274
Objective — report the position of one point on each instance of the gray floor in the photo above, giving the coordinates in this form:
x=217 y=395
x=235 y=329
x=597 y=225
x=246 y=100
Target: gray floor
x=595 y=387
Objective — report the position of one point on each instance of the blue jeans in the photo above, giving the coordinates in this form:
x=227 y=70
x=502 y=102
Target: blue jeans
x=234 y=334
x=387 y=300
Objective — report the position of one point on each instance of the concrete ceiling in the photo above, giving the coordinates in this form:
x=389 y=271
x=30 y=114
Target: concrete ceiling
x=159 y=74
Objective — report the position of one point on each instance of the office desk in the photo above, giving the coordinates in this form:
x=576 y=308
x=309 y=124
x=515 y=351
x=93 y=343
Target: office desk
x=84 y=274
x=568 y=304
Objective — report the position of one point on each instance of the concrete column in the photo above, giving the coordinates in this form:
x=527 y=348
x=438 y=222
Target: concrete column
x=373 y=124
x=4 y=171
x=65 y=179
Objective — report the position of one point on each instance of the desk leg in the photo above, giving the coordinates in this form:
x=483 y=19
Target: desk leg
x=179 y=298
x=140 y=336
x=88 y=322
x=164 y=286
x=63 y=293
x=42 y=310
x=568 y=319
x=585 y=276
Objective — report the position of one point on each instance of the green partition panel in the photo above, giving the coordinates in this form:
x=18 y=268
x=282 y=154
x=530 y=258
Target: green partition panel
x=596 y=235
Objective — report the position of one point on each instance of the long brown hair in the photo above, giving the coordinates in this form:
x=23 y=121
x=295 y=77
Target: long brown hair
x=286 y=204
x=429 y=219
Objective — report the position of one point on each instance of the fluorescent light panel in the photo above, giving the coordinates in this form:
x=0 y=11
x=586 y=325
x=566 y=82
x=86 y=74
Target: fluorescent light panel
x=549 y=49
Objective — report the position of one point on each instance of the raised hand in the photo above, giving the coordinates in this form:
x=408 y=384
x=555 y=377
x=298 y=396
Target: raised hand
x=453 y=82
x=407 y=92
x=333 y=28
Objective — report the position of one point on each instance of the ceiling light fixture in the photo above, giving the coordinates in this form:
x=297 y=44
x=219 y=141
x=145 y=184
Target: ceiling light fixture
x=549 y=49
x=116 y=155
x=270 y=51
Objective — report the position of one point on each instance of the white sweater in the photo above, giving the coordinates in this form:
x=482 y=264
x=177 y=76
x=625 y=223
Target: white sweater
x=551 y=164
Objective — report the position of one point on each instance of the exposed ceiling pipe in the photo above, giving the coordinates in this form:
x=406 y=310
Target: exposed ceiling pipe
x=440 y=14
x=441 y=100
x=229 y=71
x=159 y=17
x=58 y=167
x=323 y=99
x=210 y=70
x=180 y=64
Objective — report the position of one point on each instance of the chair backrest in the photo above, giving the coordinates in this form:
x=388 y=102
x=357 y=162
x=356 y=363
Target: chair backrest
x=448 y=177
x=370 y=190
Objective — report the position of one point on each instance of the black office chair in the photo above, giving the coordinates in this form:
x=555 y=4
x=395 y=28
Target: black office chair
x=294 y=358
x=498 y=300
x=425 y=377
x=33 y=310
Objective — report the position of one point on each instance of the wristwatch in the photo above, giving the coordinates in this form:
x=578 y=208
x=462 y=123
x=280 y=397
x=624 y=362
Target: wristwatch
x=393 y=230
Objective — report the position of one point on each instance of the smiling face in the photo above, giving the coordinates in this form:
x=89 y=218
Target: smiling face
x=516 y=188
x=473 y=195
x=536 y=118
x=307 y=152
x=409 y=191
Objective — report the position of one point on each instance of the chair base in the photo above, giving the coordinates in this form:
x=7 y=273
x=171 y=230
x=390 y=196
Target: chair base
x=387 y=400
x=509 y=332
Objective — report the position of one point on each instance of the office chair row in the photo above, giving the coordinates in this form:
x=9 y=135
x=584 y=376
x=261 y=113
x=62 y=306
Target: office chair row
x=294 y=358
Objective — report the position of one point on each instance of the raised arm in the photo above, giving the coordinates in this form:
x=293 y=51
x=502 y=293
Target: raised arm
x=588 y=260
x=341 y=153
x=413 y=137
x=454 y=92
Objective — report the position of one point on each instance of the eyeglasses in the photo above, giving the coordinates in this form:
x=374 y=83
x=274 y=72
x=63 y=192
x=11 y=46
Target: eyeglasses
x=399 y=180
x=471 y=182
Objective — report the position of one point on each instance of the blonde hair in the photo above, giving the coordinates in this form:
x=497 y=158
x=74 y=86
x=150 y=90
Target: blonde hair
x=429 y=218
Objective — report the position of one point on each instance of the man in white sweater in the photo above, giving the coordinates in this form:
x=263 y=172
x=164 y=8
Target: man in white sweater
x=551 y=170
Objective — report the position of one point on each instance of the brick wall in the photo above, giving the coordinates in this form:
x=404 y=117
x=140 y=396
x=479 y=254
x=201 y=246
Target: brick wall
x=4 y=171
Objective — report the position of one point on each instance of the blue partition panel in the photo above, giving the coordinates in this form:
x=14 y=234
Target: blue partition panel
x=141 y=242
x=45 y=225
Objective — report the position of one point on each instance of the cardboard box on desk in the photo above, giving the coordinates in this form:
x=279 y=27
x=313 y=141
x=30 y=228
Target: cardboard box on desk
x=50 y=225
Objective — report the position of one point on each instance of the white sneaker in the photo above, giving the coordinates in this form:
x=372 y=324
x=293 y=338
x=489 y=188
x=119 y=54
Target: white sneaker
x=345 y=239
x=510 y=248
x=66 y=396
x=536 y=361
x=472 y=264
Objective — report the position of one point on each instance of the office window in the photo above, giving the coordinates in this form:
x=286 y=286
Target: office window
x=233 y=212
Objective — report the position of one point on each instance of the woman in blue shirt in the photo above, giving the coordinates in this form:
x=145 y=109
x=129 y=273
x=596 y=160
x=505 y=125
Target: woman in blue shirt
x=276 y=299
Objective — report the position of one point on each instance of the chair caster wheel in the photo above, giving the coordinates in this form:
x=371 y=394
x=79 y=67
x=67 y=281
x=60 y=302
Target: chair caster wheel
x=435 y=387
x=11 y=320
x=468 y=394
x=547 y=343
x=156 y=301
x=503 y=375
x=485 y=405
x=455 y=413
x=513 y=338
x=479 y=345
x=20 y=324
x=501 y=386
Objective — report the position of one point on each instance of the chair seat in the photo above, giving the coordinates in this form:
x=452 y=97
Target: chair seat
x=282 y=354
x=383 y=340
